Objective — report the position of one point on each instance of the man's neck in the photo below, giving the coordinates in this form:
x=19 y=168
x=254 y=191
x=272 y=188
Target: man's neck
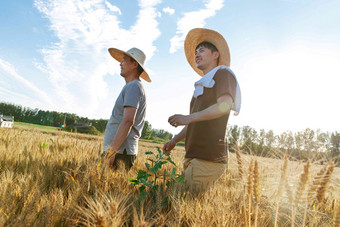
x=208 y=69
x=131 y=77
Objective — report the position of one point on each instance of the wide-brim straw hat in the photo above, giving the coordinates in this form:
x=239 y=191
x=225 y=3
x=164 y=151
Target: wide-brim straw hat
x=199 y=35
x=134 y=53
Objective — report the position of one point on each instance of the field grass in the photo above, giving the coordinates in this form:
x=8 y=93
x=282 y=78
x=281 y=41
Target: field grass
x=54 y=178
x=22 y=124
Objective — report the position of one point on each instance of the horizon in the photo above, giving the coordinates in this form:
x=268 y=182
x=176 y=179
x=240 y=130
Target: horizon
x=318 y=130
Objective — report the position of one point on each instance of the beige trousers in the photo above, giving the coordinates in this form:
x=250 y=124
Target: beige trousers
x=199 y=175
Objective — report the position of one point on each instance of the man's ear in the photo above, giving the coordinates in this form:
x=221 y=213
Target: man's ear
x=135 y=64
x=216 y=55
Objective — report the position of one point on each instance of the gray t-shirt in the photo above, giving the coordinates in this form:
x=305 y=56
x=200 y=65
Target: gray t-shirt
x=132 y=94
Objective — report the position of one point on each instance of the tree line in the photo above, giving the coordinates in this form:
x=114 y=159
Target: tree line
x=155 y=134
x=300 y=145
x=56 y=119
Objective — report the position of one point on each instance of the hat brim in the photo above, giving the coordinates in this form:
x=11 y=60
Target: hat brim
x=199 y=35
x=119 y=54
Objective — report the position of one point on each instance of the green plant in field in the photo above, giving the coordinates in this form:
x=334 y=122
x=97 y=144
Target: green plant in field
x=155 y=178
x=44 y=144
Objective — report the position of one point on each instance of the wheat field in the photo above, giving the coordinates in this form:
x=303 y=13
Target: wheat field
x=57 y=179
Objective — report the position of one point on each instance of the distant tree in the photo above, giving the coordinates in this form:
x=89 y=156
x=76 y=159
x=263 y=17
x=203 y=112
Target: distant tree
x=290 y=141
x=261 y=139
x=282 y=140
x=308 y=140
x=249 y=137
x=58 y=118
x=233 y=137
x=322 y=141
x=270 y=139
x=147 y=131
x=162 y=134
x=100 y=124
x=299 y=141
x=335 y=146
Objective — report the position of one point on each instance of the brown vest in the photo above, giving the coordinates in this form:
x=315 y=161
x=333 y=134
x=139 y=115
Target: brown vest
x=207 y=139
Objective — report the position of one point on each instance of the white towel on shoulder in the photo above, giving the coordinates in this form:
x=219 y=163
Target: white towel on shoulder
x=208 y=82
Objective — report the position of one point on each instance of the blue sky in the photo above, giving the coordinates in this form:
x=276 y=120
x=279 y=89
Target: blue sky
x=285 y=54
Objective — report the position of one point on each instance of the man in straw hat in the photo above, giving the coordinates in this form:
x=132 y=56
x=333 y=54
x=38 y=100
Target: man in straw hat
x=215 y=95
x=127 y=120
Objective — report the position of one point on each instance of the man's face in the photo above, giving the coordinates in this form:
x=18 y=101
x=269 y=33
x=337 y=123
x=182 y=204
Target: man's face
x=126 y=66
x=204 y=57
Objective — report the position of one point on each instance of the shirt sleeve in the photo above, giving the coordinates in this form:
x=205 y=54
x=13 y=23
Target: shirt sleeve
x=132 y=95
x=225 y=83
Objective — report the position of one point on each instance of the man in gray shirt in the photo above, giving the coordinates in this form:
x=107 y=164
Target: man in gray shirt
x=127 y=120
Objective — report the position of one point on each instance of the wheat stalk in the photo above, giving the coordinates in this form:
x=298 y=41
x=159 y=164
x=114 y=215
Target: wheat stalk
x=257 y=189
x=337 y=215
x=300 y=189
x=283 y=179
x=250 y=186
x=289 y=193
x=240 y=173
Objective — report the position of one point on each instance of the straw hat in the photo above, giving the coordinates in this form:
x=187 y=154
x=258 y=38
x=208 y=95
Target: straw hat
x=199 y=35
x=134 y=53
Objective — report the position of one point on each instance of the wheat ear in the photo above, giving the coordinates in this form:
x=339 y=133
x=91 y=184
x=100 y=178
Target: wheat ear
x=321 y=190
x=240 y=173
x=239 y=163
x=315 y=184
x=311 y=191
x=324 y=183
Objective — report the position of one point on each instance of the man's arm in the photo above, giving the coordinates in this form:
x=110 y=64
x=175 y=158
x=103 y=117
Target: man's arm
x=123 y=130
x=217 y=110
x=172 y=143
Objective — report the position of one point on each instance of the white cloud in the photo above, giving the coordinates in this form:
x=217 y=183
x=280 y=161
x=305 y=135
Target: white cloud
x=168 y=10
x=192 y=20
x=148 y=3
x=113 y=8
x=78 y=63
x=11 y=76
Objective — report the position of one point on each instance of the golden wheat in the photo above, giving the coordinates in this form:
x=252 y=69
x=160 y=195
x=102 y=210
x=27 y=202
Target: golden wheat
x=300 y=190
x=250 y=189
x=337 y=214
x=257 y=190
x=324 y=183
x=283 y=181
x=311 y=195
x=239 y=162
x=57 y=179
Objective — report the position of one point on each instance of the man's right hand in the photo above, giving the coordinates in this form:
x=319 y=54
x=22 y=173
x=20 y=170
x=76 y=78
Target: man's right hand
x=110 y=156
x=167 y=147
x=111 y=161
